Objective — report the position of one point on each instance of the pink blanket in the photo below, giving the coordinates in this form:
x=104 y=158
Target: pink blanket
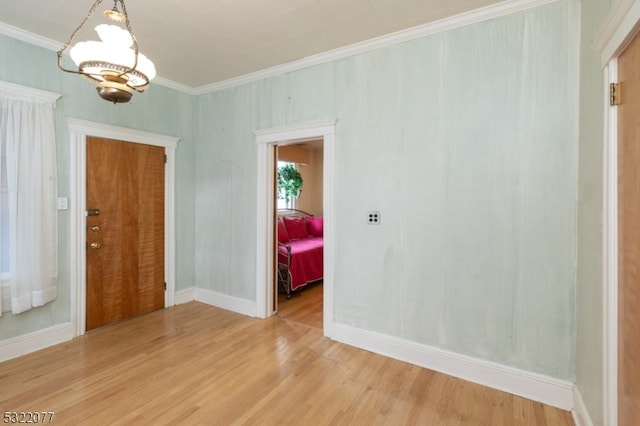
x=306 y=260
x=305 y=238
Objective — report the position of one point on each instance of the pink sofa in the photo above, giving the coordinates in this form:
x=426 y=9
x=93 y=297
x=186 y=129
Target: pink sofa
x=301 y=249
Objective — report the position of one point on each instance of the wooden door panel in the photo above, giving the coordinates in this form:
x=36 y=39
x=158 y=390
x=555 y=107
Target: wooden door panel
x=629 y=236
x=125 y=274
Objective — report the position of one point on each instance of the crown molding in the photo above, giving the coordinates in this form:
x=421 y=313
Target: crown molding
x=165 y=82
x=53 y=45
x=506 y=7
x=28 y=37
x=457 y=21
x=618 y=29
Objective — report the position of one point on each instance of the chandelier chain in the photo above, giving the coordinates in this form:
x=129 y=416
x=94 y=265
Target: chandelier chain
x=115 y=76
x=133 y=37
x=84 y=21
x=126 y=22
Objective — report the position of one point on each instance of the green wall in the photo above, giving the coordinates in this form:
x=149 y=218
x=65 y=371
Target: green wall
x=466 y=142
x=159 y=110
x=589 y=303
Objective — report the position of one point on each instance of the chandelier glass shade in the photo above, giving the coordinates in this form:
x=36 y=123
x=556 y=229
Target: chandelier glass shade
x=114 y=63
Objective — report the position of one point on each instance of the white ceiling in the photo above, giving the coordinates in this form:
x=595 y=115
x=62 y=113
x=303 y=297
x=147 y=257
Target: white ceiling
x=201 y=42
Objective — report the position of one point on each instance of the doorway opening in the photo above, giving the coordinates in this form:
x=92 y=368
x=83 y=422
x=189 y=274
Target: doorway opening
x=268 y=141
x=79 y=131
x=299 y=225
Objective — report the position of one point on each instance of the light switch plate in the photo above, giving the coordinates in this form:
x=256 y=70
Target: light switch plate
x=63 y=203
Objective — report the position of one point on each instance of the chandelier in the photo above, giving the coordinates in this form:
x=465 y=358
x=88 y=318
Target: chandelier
x=114 y=64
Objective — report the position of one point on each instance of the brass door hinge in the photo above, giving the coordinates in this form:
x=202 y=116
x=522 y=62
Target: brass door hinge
x=614 y=94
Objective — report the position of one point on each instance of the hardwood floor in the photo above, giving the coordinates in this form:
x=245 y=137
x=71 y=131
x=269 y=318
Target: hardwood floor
x=304 y=307
x=196 y=364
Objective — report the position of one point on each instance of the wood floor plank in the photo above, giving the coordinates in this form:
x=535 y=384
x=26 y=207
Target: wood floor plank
x=195 y=364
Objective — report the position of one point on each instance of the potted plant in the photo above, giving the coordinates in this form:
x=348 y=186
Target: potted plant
x=289 y=183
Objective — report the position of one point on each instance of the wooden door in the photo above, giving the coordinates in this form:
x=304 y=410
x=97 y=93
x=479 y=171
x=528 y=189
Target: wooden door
x=629 y=235
x=125 y=230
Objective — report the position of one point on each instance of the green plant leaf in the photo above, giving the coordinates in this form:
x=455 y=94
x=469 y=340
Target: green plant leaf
x=289 y=183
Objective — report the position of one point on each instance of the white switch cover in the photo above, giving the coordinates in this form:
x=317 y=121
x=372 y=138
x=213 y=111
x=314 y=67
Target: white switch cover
x=63 y=203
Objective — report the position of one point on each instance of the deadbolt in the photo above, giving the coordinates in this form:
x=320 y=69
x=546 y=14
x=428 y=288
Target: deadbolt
x=93 y=212
x=95 y=245
x=95 y=228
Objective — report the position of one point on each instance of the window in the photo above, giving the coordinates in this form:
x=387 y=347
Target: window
x=287 y=184
x=282 y=203
x=28 y=193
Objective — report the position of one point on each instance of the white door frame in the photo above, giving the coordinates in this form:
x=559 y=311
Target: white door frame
x=78 y=132
x=622 y=24
x=267 y=140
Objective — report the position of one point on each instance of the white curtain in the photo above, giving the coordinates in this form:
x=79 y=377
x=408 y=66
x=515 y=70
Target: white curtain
x=27 y=140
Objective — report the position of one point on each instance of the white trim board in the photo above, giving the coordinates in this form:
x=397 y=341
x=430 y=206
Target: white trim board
x=78 y=132
x=580 y=413
x=610 y=252
x=185 y=296
x=29 y=37
x=53 y=45
x=40 y=95
x=266 y=140
x=496 y=10
x=457 y=21
x=537 y=387
x=621 y=25
x=224 y=301
x=32 y=342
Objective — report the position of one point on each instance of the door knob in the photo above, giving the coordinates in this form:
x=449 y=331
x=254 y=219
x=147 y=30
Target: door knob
x=95 y=245
x=95 y=228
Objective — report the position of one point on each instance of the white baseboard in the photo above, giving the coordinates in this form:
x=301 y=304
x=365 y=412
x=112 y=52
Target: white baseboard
x=185 y=296
x=27 y=343
x=537 y=387
x=580 y=413
x=224 y=301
